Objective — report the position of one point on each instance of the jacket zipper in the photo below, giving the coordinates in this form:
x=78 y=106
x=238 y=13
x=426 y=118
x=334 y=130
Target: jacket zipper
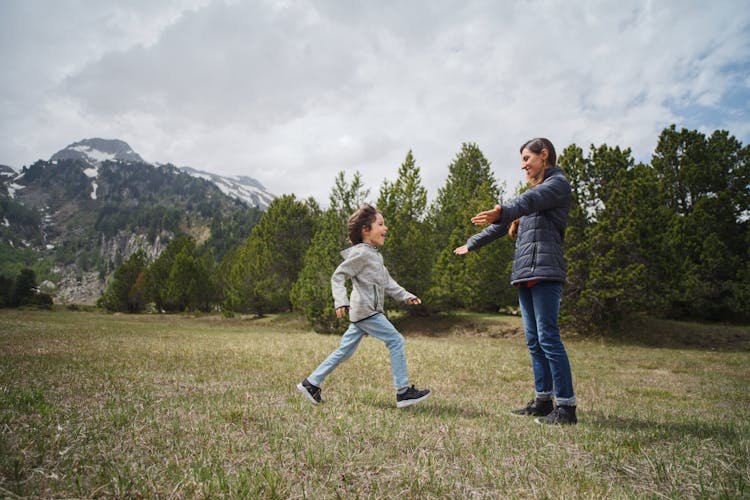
x=533 y=258
x=375 y=289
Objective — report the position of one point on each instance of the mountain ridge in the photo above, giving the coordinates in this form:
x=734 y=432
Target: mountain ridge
x=76 y=217
x=95 y=151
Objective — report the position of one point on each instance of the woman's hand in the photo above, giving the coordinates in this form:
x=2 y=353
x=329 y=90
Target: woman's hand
x=341 y=312
x=462 y=250
x=414 y=302
x=488 y=216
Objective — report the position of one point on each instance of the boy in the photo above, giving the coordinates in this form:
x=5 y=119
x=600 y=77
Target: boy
x=363 y=264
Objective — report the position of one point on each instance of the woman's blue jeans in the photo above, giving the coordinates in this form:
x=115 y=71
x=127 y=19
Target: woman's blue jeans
x=376 y=326
x=540 y=306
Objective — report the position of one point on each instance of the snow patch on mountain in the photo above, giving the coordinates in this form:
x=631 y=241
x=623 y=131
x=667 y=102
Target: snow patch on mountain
x=240 y=187
x=12 y=188
x=92 y=173
x=92 y=154
x=7 y=172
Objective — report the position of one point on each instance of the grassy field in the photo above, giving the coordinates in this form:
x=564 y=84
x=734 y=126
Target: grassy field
x=167 y=406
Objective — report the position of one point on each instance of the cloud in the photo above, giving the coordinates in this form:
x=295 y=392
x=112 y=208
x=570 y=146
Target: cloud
x=292 y=92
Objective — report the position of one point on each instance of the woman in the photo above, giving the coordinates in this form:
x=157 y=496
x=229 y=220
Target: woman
x=537 y=220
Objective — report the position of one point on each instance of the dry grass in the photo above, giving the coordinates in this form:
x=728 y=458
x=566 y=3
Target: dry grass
x=154 y=406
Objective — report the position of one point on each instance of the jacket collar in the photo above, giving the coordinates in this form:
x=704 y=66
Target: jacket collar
x=552 y=171
x=345 y=252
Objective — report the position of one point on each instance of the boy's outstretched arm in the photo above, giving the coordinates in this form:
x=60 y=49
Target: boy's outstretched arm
x=398 y=292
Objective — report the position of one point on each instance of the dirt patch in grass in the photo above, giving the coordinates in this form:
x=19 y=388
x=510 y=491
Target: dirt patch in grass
x=497 y=326
x=654 y=332
x=637 y=330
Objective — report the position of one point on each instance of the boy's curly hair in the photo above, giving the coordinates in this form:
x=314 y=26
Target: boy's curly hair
x=363 y=217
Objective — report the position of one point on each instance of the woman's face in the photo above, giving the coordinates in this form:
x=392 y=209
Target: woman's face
x=533 y=163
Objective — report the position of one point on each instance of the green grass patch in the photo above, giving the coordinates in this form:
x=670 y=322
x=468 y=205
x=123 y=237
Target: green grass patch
x=175 y=406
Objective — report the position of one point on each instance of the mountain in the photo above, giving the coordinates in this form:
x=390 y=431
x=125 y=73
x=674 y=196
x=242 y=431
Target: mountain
x=77 y=216
x=95 y=151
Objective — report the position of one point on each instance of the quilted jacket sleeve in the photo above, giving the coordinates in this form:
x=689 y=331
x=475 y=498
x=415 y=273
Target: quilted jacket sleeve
x=554 y=192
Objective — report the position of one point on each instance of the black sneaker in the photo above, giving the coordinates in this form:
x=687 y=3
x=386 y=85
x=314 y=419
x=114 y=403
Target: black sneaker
x=535 y=408
x=310 y=391
x=411 y=396
x=561 y=415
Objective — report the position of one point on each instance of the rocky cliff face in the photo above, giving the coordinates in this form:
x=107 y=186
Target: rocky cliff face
x=85 y=287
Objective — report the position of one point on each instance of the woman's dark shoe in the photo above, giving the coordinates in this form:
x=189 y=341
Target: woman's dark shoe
x=535 y=408
x=561 y=415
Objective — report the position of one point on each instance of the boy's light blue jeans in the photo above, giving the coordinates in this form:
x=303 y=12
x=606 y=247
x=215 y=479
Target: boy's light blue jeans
x=376 y=326
x=540 y=306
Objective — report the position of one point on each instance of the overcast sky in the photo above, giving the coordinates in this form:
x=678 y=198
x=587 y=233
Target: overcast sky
x=292 y=92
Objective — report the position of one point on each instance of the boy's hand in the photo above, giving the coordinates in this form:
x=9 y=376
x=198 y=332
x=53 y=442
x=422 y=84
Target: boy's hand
x=341 y=312
x=462 y=250
x=414 y=302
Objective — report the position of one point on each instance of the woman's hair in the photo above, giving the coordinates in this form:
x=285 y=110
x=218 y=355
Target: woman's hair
x=363 y=217
x=535 y=146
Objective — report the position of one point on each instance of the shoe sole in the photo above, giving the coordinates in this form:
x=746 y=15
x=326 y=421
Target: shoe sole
x=558 y=422
x=411 y=402
x=306 y=394
x=527 y=415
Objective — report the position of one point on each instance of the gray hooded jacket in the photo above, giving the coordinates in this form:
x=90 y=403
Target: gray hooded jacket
x=363 y=264
x=539 y=242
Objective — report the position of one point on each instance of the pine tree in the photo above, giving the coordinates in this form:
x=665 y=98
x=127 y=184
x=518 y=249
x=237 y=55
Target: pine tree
x=409 y=250
x=189 y=286
x=267 y=265
x=125 y=293
x=707 y=184
x=345 y=198
x=478 y=280
x=606 y=272
x=311 y=293
x=577 y=247
x=667 y=239
x=6 y=290
x=160 y=269
x=24 y=288
x=221 y=278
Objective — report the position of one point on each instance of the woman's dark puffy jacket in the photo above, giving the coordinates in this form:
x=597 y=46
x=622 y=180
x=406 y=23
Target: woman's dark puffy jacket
x=539 y=244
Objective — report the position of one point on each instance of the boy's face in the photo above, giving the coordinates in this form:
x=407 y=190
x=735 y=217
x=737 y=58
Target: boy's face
x=375 y=234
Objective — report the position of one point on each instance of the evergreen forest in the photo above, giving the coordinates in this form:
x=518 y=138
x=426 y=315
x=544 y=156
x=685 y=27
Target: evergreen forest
x=669 y=239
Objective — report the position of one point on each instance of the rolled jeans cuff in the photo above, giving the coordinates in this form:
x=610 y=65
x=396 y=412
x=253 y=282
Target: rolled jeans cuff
x=566 y=401
x=544 y=396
